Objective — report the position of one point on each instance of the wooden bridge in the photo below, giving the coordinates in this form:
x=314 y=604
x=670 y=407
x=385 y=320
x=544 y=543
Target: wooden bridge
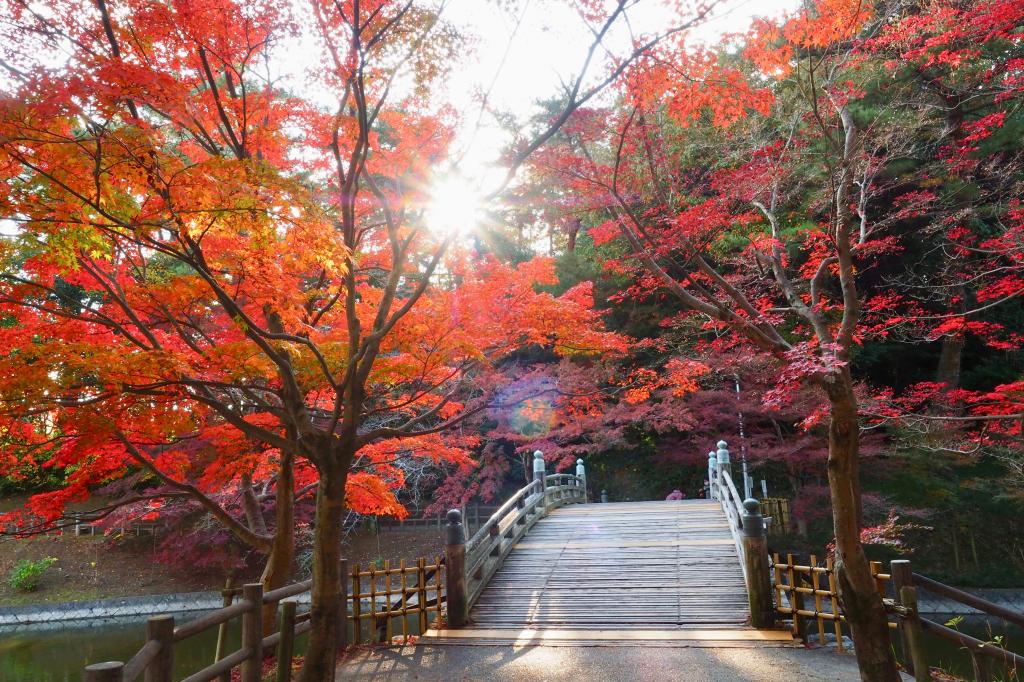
x=542 y=570
x=548 y=568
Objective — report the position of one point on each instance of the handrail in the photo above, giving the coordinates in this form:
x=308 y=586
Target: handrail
x=217 y=617
x=969 y=599
x=497 y=516
x=487 y=549
x=732 y=505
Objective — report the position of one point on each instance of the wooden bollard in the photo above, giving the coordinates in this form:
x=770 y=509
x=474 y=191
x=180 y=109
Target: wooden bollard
x=455 y=570
x=913 y=636
x=108 y=671
x=252 y=632
x=755 y=559
x=286 y=645
x=161 y=629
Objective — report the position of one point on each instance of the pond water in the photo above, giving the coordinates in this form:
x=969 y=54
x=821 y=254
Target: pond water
x=45 y=653
x=57 y=652
x=955 y=659
x=52 y=653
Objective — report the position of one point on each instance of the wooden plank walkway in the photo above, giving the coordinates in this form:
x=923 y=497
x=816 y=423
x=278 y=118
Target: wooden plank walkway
x=619 y=572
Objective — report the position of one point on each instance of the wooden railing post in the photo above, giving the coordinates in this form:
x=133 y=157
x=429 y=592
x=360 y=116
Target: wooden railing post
x=581 y=473
x=228 y=594
x=286 y=645
x=252 y=632
x=538 y=470
x=722 y=464
x=161 y=628
x=915 y=661
x=455 y=566
x=604 y=496
x=755 y=559
x=109 y=671
x=903 y=576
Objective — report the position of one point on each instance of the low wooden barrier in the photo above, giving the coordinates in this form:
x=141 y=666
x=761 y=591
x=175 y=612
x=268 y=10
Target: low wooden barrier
x=911 y=625
x=389 y=591
x=808 y=594
x=378 y=596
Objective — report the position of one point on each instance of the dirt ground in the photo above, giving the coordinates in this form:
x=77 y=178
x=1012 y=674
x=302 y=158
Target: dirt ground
x=93 y=568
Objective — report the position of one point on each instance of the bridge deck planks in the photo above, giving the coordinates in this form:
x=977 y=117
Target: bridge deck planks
x=652 y=566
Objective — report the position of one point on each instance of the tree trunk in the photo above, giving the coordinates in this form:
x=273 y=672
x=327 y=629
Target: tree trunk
x=860 y=599
x=948 y=371
x=282 y=553
x=326 y=595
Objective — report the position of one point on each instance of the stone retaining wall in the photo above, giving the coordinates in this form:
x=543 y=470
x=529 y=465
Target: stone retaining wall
x=927 y=602
x=120 y=607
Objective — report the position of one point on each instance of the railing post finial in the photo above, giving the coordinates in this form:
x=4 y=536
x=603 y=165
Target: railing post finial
x=455 y=570
x=755 y=560
x=722 y=457
x=538 y=468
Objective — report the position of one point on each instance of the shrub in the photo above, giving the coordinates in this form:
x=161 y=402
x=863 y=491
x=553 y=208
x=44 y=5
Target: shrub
x=27 y=573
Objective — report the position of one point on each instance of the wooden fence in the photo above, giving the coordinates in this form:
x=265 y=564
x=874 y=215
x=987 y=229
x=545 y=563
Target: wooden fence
x=395 y=593
x=808 y=594
x=378 y=598
x=778 y=509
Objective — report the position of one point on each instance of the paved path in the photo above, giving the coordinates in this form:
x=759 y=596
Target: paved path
x=598 y=664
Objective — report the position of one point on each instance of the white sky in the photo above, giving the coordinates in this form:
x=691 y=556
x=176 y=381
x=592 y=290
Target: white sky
x=548 y=50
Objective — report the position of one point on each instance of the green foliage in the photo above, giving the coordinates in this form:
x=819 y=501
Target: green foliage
x=27 y=574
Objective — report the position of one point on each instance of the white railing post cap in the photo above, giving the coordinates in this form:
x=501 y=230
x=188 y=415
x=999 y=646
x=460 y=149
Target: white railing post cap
x=538 y=461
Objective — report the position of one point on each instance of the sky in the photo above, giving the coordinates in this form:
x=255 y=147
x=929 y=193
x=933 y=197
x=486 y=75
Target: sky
x=545 y=51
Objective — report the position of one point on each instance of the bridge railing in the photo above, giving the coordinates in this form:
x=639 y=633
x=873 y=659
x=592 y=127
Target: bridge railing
x=747 y=526
x=471 y=564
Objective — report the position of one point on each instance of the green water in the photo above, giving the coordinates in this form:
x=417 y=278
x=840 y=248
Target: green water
x=42 y=654
x=59 y=652
x=954 y=659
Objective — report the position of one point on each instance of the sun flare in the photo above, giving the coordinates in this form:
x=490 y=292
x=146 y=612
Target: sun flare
x=454 y=207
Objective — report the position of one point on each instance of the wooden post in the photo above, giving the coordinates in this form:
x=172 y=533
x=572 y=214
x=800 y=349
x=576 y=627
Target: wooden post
x=161 y=628
x=581 y=473
x=286 y=645
x=222 y=630
x=755 y=559
x=110 y=671
x=252 y=632
x=796 y=602
x=538 y=471
x=455 y=567
x=902 y=575
x=343 y=633
x=913 y=637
